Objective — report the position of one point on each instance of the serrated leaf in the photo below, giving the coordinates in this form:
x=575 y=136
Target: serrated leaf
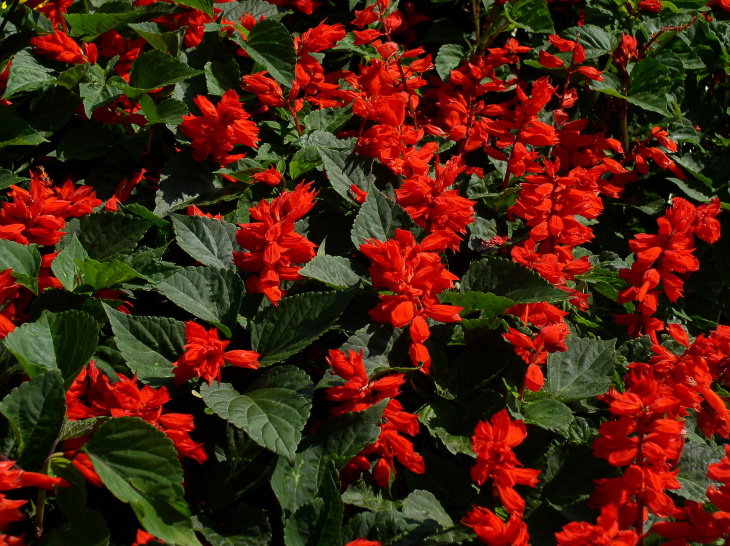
x=335 y=271
x=449 y=56
x=80 y=428
x=548 y=414
x=35 y=411
x=155 y=69
x=583 y=371
x=148 y=344
x=595 y=40
x=183 y=180
x=531 y=15
x=167 y=111
x=91 y=25
x=270 y=44
x=423 y=505
x=202 y=5
x=207 y=240
x=213 y=295
x=62 y=342
x=378 y=218
x=696 y=458
x=281 y=331
x=221 y=76
x=328 y=119
x=139 y=465
x=26 y=74
x=15 y=131
x=650 y=83
x=511 y=280
x=273 y=411
x=162 y=41
x=491 y=304
x=107 y=235
x=317 y=523
x=64 y=265
x=343 y=167
x=24 y=260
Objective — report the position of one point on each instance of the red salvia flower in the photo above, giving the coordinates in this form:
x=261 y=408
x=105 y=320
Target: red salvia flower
x=493 y=531
x=59 y=46
x=273 y=247
x=219 y=129
x=606 y=532
x=205 y=355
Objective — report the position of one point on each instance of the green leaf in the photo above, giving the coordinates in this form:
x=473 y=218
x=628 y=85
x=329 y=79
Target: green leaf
x=327 y=119
x=167 y=111
x=270 y=44
x=221 y=76
x=64 y=265
x=147 y=344
x=391 y=528
x=209 y=241
x=183 y=180
x=318 y=523
x=247 y=526
x=213 y=295
x=88 y=26
x=162 y=41
x=18 y=132
x=273 y=411
x=99 y=275
x=378 y=218
x=62 y=342
x=202 y=5
x=155 y=69
x=448 y=57
x=548 y=414
x=35 y=411
x=441 y=417
x=650 y=83
x=283 y=330
x=334 y=271
x=344 y=168
x=583 y=371
x=8 y=178
x=423 y=505
x=24 y=260
x=696 y=458
x=531 y=15
x=108 y=235
x=491 y=304
x=511 y=280
x=595 y=40
x=139 y=465
x=97 y=94
x=88 y=142
x=26 y=75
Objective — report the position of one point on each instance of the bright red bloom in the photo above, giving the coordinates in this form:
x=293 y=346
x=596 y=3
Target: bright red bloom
x=204 y=355
x=219 y=129
x=492 y=443
x=59 y=46
x=605 y=533
x=495 y=532
x=364 y=542
x=273 y=247
x=143 y=537
x=93 y=394
x=270 y=176
x=359 y=392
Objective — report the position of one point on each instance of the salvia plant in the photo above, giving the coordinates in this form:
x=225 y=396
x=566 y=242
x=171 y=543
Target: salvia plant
x=364 y=273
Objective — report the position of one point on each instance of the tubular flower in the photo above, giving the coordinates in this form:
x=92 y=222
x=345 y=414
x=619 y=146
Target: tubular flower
x=93 y=394
x=272 y=246
x=416 y=275
x=204 y=355
x=219 y=129
x=605 y=533
x=59 y=46
x=493 y=531
x=492 y=443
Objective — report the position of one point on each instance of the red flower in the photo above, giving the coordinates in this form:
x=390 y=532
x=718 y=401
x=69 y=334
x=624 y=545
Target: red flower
x=204 y=355
x=59 y=46
x=273 y=247
x=270 y=176
x=606 y=532
x=495 y=532
x=493 y=442
x=219 y=129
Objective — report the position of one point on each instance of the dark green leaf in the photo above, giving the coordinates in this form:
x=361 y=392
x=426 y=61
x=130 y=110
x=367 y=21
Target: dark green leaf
x=213 y=295
x=650 y=83
x=139 y=465
x=183 y=179
x=17 y=132
x=344 y=168
x=99 y=275
x=35 y=411
x=696 y=458
x=595 y=40
x=511 y=280
x=531 y=15
x=490 y=304
x=327 y=119
x=335 y=271
x=448 y=57
x=273 y=411
x=107 y=235
x=148 y=344
x=24 y=260
x=202 y=5
x=26 y=75
x=281 y=331
x=318 y=523
x=271 y=45
x=90 y=25
x=163 y=41
x=209 y=241
x=378 y=218
x=548 y=414
x=155 y=69
x=62 y=342
x=168 y=111
x=583 y=371
x=221 y=76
